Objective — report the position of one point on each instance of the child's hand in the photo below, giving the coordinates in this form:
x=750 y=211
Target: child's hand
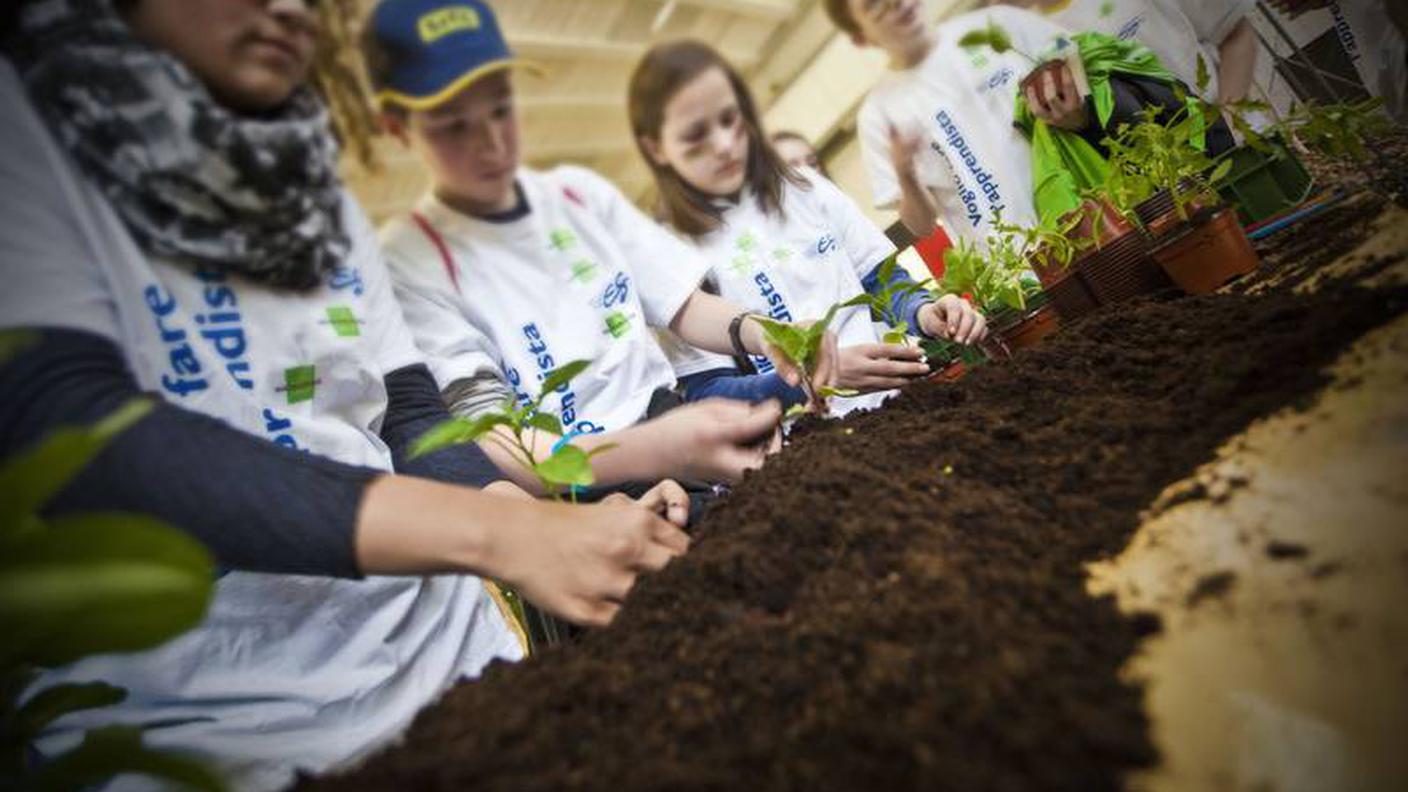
x=667 y=499
x=879 y=367
x=951 y=317
x=823 y=368
x=1053 y=97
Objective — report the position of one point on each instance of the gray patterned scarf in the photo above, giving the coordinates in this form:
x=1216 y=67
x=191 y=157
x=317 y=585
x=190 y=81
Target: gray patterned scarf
x=191 y=179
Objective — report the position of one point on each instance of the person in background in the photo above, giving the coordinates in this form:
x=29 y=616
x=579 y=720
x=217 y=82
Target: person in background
x=797 y=151
x=784 y=242
x=1178 y=32
x=505 y=272
x=172 y=227
x=936 y=131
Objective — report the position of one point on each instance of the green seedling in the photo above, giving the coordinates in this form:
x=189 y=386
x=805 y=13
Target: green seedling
x=566 y=468
x=802 y=346
x=881 y=303
x=993 y=37
x=1339 y=131
x=79 y=585
x=1150 y=156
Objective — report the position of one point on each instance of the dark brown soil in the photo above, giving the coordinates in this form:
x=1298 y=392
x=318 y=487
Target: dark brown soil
x=898 y=600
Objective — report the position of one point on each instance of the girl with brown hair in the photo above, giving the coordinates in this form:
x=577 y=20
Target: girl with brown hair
x=783 y=242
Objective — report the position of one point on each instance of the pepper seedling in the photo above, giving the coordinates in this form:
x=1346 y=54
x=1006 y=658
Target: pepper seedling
x=801 y=344
x=881 y=303
x=566 y=468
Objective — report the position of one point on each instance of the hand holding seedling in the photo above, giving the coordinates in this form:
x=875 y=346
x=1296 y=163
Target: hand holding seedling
x=579 y=562
x=866 y=368
x=952 y=318
x=804 y=354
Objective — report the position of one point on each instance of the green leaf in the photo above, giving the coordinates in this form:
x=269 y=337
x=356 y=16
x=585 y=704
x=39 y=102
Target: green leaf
x=896 y=336
x=53 y=703
x=826 y=392
x=562 y=375
x=1220 y=172
x=545 y=422
x=1203 y=76
x=456 y=431
x=992 y=36
x=99 y=583
x=29 y=480
x=118 y=750
x=789 y=338
x=567 y=467
x=867 y=300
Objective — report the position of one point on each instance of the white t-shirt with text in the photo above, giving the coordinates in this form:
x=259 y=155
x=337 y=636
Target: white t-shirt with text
x=583 y=275
x=792 y=267
x=960 y=101
x=285 y=672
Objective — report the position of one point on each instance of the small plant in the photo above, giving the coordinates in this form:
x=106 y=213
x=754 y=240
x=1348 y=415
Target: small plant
x=79 y=585
x=566 y=468
x=994 y=37
x=1151 y=156
x=881 y=304
x=1339 y=131
x=994 y=278
x=801 y=344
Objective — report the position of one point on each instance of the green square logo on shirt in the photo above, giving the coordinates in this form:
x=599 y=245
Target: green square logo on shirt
x=562 y=239
x=584 y=271
x=618 y=324
x=300 y=383
x=344 y=322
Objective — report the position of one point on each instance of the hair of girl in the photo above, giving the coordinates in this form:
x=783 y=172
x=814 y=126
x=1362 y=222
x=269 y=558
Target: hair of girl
x=664 y=70
x=334 y=76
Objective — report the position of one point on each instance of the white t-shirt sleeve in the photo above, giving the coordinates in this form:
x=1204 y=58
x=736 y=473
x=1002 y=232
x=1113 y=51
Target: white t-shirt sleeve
x=667 y=269
x=48 y=260
x=453 y=347
x=874 y=133
x=865 y=245
x=1213 y=20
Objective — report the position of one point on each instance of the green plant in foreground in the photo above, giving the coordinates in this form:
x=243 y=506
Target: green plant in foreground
x=80 y=585
x=881 y=303
x=994 y=37
x=566 y=468
x=802 y=345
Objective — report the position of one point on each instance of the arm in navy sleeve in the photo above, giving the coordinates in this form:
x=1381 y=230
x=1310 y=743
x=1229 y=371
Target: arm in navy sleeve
x=905 y=306
x=256 y=505
x=727 y=383
x=414 y=407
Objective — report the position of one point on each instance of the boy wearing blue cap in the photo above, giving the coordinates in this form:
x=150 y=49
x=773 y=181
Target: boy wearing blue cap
x=505 y=273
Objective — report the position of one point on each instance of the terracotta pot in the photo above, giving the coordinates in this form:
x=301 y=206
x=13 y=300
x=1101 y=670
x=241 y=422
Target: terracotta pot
x=1202 y=256
x=1111 y=224
x=1069 y=292
x=1158 y=215
x=1123 y=269
x=1020 y=332
x=953 y=372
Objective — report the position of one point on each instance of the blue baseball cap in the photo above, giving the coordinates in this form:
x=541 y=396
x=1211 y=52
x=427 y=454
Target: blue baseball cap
x=435 y=48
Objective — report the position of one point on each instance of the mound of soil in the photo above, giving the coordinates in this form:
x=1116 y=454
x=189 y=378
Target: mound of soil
x=898 y=600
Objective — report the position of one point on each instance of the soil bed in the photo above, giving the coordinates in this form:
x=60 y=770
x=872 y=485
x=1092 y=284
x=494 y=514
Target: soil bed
x=898 y=601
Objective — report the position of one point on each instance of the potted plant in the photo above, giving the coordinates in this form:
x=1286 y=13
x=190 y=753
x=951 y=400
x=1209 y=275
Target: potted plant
x=998 y=280
x=1197 y=238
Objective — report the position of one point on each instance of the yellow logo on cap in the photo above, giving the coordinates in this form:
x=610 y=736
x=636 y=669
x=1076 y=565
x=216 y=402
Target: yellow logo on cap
x=443 y=21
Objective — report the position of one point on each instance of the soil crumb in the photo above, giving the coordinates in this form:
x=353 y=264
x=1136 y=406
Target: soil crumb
x=1210 y=587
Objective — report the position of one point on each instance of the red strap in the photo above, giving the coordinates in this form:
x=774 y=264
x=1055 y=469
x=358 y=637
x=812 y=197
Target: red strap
x=439 y=242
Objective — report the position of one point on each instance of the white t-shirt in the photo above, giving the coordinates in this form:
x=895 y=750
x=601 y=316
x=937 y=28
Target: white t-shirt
x=285 y=672
x=961 y=100
x=793 y=267
x=1363 y=32
x=1177 y=31
x=583 y=275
